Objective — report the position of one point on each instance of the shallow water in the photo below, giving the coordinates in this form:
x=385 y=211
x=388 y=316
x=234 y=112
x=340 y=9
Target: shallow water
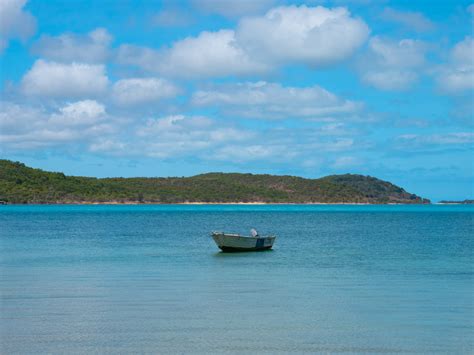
x=149 y=279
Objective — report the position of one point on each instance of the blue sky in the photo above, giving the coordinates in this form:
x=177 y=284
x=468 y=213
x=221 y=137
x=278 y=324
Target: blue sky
x=178 y=88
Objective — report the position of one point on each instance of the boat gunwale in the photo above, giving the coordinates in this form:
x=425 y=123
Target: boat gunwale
x=233 y=235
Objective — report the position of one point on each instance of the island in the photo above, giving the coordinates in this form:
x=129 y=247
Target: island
x=20 y=184
x=463 y=202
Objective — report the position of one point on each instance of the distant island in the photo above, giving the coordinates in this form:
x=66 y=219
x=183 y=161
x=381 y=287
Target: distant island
x=20 y=184
x=464 y=202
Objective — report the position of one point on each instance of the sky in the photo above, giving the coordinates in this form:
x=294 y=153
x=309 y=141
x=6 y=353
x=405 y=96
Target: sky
x=179 y=88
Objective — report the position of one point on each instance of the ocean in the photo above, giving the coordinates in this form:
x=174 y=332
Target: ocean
x=149 y=279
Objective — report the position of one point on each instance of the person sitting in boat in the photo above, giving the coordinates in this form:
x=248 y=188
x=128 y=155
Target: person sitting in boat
x=254 y=233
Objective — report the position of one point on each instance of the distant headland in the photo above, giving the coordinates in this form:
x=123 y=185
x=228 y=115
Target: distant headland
x=20 y=184
x=464 y=202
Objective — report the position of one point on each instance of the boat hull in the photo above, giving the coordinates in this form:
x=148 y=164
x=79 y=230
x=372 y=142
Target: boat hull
x=238 y=243
x=238 y=250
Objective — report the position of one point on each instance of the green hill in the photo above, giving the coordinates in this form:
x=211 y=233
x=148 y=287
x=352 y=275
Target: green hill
x=22 y=184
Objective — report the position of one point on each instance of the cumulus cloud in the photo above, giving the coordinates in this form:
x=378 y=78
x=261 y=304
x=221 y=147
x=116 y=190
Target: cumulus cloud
x=232 y=8
x=411 y=20
x=110 y=146
x=200 y=137
x=15 y=22
x=175 y=136
x=457 y=76
x=135 y=91
x=28 y=127
x=306 y=146
x=15 y=118
x=392 y=65
x=172 y=124
x=90 y=48
x=75 y=80
x=274 y=101
x=87 y=123
x=143 y=57
x=79 y=113
x=314 y=36
x=208 y=55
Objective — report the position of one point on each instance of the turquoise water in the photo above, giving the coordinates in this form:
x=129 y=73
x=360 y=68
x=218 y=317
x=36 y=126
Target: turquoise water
x=149 y=279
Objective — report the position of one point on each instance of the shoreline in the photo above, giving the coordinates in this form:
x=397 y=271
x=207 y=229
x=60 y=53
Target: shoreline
x=116 y=203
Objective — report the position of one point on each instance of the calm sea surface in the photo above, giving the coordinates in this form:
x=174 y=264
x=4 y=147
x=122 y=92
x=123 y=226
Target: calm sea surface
x=149 y=279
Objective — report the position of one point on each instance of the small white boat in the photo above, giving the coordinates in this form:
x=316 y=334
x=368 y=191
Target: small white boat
x=229 y=242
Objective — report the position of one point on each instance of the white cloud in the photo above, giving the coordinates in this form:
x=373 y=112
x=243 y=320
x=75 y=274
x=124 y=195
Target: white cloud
x=463 y=52
x=306 y=147
x=14 y=22
x=274 y=101
x=15 y=118
x=208 y=55
x=406 y=53
x=232 y=8
x=142 y=90
x=315 y=36
x=200 y=137
x=87 y=122
x=297 y=147
x=175 y=136
x=79 y=113
x=409 y=19
x=390 y=79
x=458 y=75
x=52 y=79
x=90 y=48
x=392 y=65
x=108 y=145
x=172 y=124
x=143 y=57
x=29 y=127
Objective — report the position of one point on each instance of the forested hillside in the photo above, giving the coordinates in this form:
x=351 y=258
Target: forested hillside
x=21 y=184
